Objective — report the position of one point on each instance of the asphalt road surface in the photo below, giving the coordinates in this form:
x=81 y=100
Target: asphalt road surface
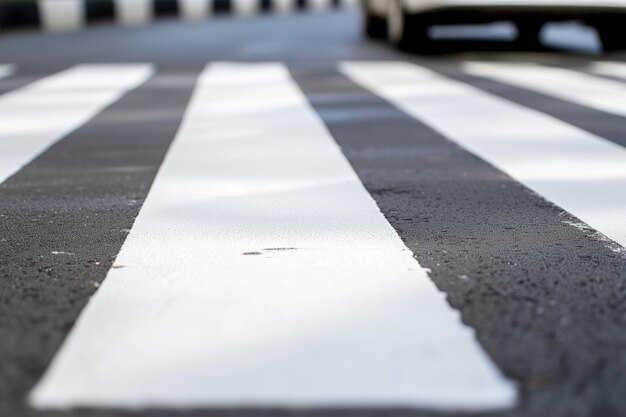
x=277 y=217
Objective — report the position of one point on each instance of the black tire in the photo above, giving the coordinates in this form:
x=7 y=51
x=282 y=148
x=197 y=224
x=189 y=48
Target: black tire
x=412 y=32
x=529 y=35
x=611 y=33
x=374 y=27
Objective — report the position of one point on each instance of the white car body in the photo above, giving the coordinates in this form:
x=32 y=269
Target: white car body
x=400 y=16
x=422 y=6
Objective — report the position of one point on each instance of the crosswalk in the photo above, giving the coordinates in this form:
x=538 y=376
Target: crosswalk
x=69 y=15
x=297 y=220
x=260 y=271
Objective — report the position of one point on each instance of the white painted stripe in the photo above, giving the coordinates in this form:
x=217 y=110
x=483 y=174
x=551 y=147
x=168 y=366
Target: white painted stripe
x=62 y=15
x=582 y=173
x=587 y=90
x=194 y=9
x=283 y=6
x=36 y=116
x=133 y=12
x=319 y=5
x=609 y=68
x=245 y=7
x=260 y=272
x=6 y=70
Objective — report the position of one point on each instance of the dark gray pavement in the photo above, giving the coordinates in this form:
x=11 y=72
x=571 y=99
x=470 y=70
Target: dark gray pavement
x=546 y=299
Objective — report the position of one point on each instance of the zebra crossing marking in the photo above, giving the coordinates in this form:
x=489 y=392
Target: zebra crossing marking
x=133 y=12
x=283 y=6
x=582 y=173
x=260 y=272
x=36 y=116
x=72 y=15
x=62 y=15
x=245 y=7
x=195 y=9
x=320 y=5
x=587 y=90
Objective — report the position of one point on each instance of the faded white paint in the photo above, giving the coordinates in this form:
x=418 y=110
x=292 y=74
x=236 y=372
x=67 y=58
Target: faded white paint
x=36 y=116
x=62 y=15
x=587 y=90
x=580 y=172
x=260 y=272
x=133 y=12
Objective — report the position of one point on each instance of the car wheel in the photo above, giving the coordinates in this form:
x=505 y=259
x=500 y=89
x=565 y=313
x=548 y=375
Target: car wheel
x=528 y=35
x=405 y=31
x=611 y=33
x=375 y=27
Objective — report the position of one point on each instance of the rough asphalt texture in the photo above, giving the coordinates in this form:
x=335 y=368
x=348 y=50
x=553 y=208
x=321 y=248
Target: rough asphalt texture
x=545 y=297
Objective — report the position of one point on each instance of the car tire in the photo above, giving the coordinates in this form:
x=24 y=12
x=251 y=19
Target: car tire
x=405 y=31
x=374 y=27
x=529 y=35
x=611 y=33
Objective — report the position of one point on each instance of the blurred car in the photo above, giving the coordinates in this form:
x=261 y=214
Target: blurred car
x=405 y=23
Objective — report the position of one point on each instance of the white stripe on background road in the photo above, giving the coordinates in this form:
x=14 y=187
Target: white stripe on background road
x=62 y=15
x=260 y=272
x=283 y=6
x=581 y=172
x=245 y=7
x=38 y=115
x=320 y=5
x=609 y=68
x=587 y=90
x=6 y=70
x=195 y=9
x=133 y=12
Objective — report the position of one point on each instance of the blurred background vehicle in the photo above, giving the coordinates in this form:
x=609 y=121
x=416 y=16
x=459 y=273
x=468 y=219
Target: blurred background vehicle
x=406 y=23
